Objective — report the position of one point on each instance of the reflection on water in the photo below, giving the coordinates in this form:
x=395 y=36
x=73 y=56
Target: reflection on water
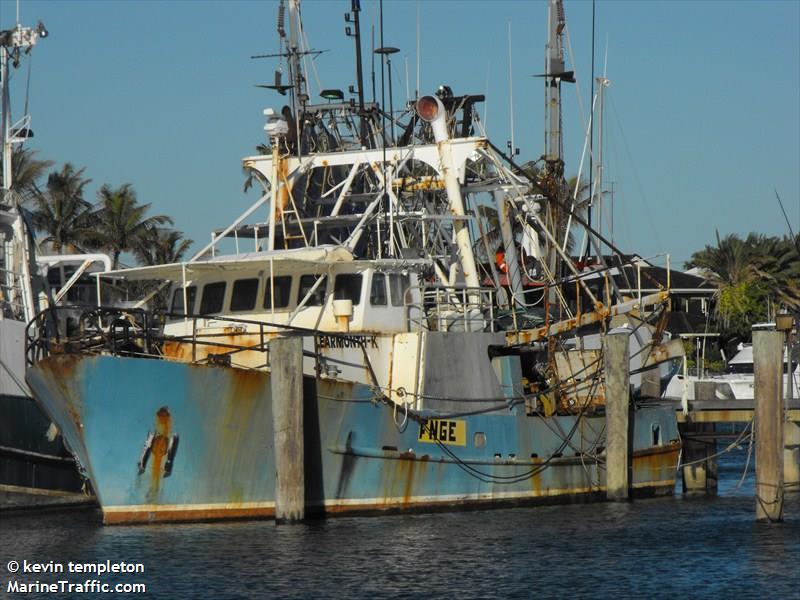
x=661 y=548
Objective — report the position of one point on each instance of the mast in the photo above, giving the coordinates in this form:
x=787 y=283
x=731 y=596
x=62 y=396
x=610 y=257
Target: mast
x=555 y=73
x=299 y=94
x=12 y=43
x=356 y=9
x=597 y=191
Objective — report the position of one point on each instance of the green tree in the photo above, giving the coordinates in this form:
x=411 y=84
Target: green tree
x=61 y=212
x=754 y=276
x=26 y=172
x=121 y=222
x=158 y=246
x=250 y=175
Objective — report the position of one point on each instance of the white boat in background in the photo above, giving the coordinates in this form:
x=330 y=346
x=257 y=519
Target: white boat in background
x=736 y=383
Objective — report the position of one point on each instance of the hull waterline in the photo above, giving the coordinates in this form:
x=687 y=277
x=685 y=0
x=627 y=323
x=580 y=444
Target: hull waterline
x=169 y=441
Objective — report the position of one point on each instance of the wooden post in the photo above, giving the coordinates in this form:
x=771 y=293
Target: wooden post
x=700 y=471
x=616 y=363
x=768 y=367
x=791 y=454
x=286 y=361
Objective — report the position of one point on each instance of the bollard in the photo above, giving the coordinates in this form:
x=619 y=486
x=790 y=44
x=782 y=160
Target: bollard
x=768 y=367
x=616 y=363
x=286 y=361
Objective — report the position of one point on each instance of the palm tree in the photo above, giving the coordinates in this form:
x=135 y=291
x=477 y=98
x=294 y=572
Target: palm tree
x=61 y=211
x=780 y=268
x=250 y=175
x=121 y=222
x=752 y=275
x=26 y=172
x=160 y=246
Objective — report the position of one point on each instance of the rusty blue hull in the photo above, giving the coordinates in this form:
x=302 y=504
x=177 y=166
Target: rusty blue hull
x=169 y=441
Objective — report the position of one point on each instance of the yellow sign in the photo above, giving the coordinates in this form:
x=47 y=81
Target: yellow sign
x=453 y=433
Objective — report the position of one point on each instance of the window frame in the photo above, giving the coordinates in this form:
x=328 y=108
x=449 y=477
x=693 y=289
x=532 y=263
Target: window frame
x=250 y=280
x=375 y=278
x=224 y=285
x=269 y=285
x=356 y=299
x=316 y=300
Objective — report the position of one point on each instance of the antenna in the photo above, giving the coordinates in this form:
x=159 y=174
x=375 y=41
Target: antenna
x=419 y=50
x=356 y=9
x=788 y=224
x=408 y=93
x=486 y=104
x=372 y=38
x=512 y=148
x=591 y=136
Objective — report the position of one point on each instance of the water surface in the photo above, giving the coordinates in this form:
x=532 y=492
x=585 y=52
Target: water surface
x=678 y=547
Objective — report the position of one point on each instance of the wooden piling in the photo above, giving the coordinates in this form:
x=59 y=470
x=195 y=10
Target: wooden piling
x=286 y=361
x=768 y=367
x=791 y=455
x=616 y=363
x=699 y=473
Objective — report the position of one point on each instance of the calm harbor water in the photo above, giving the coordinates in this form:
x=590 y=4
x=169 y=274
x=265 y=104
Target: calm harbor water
x=677 y=547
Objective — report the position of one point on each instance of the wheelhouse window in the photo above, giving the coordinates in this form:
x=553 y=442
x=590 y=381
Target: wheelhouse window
x=280 y=289
x=177 y=300
x=244 y=294
x=54 y=276
x=377 y=293
x=398 y=286
x=348 y=287
x=213 y=298
x=306 y=283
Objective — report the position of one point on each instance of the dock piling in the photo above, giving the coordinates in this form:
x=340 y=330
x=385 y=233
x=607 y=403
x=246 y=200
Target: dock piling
x=616 y=359
x=699 y=473
x=791 y=455
x=769 y=424
x=286 y=361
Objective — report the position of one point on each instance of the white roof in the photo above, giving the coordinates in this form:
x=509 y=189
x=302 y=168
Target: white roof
x=319 y=258
x=285 y=260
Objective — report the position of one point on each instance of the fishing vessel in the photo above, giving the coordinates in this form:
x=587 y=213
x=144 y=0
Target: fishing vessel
x=427 y=384
x=36 y=468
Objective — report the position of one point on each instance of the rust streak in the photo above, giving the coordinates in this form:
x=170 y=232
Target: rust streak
x=159 y=450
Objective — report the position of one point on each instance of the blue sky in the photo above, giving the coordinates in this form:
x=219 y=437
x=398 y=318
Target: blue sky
x=702 y=119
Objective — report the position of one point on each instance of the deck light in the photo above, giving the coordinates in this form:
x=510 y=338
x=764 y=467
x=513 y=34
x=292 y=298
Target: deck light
x=332 y=94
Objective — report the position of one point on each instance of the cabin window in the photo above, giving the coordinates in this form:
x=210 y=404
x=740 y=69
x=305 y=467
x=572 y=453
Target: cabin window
x=306 y=283
x=280 y=289
x=213 y=297
x=656 y=431
x=177 y=300
x=377 y=294
x=80 y=294
x=244 y=294
x=398 y=285
x=54 y=276
x=348 y=287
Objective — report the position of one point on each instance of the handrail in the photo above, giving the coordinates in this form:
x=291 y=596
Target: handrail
x=135 y=332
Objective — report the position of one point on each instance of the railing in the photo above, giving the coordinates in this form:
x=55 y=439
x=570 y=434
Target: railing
x=138 y=333
x=453 y=308
x=11 y=295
